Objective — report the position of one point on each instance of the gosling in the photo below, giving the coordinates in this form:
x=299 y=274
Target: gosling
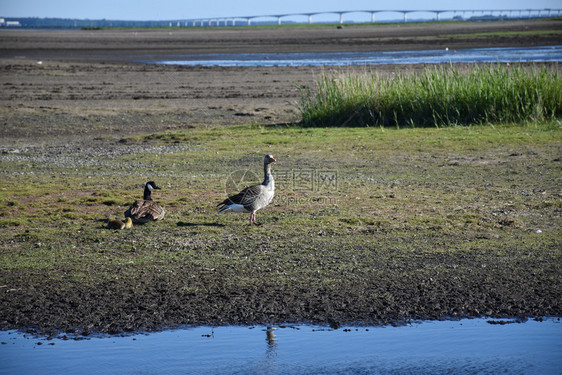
x=118 y=224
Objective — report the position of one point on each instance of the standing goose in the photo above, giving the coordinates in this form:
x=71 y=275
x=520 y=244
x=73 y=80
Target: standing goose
x=254 y=197
x=145 y=210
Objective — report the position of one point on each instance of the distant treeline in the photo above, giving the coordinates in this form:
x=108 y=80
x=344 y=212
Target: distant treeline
x=65 y=23
x=70 y=23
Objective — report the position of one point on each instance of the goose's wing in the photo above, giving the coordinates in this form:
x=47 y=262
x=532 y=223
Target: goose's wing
x=144 y=210
x=246 y=197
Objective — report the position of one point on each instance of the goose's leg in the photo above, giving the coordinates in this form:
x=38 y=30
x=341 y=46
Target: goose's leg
x=254 y=219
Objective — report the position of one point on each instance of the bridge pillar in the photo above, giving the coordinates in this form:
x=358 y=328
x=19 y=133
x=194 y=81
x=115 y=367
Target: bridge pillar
x=341 y=18
x=279 y=20
x=405 y=17
x=249 y=22
x=438 y=15
x=310 y=19
x=372 y=17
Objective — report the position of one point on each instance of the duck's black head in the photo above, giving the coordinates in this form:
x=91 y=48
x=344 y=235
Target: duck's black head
x=151 y=185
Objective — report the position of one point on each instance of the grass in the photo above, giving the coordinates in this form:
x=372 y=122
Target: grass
x=504 y=33
x=409 y=204
x=437 y=97
x=387 y=179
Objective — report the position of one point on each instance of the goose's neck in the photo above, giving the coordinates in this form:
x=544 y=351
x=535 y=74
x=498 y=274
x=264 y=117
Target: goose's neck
x=147 y=194
x=268 y=177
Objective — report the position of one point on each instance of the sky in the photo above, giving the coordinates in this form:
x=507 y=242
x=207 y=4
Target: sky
x=188 y=9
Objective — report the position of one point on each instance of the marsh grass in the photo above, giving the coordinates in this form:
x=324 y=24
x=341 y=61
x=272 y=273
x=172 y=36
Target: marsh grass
x=437 y=97
x=518 y=33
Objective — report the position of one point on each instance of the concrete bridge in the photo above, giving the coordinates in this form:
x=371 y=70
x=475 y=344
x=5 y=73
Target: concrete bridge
x=508 y=13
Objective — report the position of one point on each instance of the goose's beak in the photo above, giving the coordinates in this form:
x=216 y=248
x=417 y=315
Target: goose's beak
x=273 y=159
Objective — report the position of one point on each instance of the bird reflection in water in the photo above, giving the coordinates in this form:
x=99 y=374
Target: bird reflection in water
x=269 y=363
x=271 y=350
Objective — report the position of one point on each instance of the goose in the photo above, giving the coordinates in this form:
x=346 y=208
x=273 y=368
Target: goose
x=252 y=198
x=145 y=210
x=118 y=224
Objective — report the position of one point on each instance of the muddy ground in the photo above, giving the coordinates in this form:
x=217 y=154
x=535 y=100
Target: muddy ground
x=92 y=78
x=72 y=92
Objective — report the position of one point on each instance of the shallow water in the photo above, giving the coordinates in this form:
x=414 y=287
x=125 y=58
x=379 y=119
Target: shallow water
x=470 y=346
x=491 y=55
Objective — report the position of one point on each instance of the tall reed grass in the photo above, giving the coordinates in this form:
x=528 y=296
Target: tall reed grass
x=441 y=96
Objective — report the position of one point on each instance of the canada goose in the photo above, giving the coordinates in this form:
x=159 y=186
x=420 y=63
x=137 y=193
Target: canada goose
x=252 y=198
x=145 y=210
x=118 y=224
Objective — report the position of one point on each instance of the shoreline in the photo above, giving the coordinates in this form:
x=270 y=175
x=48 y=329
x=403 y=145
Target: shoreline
x=120 y=45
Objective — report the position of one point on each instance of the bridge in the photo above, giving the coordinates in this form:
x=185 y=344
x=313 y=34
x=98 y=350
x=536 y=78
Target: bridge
x=437 y=15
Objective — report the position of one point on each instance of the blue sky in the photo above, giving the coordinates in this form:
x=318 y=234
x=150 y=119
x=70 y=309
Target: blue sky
x=184 y=9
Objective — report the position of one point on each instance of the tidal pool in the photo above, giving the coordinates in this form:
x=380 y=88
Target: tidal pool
x=469 y=346
x=445 y=55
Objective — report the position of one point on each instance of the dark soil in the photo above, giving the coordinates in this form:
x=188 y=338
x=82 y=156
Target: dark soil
x=480 y=285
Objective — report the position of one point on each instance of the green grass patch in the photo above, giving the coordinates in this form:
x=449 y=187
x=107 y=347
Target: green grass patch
x=12 y=222
x=437 y=97
x=402 y=195
x=504 y=33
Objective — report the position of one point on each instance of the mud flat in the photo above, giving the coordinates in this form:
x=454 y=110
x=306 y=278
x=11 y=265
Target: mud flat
x=91 y=77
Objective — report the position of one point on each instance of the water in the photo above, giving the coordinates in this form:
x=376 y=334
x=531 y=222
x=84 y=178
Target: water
x=469 y=346
x=474 y=55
